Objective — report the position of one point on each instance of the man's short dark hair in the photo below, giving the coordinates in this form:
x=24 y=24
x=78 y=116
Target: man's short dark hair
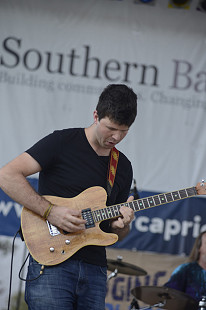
x=118 y=102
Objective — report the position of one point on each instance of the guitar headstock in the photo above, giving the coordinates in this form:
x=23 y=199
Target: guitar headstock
x=201 y=188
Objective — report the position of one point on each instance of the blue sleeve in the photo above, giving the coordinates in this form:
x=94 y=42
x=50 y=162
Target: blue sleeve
x=177 y=279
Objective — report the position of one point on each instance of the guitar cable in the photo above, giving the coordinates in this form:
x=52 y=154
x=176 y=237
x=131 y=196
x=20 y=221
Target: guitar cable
x=29 y=280
x=42 y=266
x=11 y=267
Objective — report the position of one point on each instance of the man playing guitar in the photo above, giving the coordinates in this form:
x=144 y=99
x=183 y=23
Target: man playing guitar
x=69 y=161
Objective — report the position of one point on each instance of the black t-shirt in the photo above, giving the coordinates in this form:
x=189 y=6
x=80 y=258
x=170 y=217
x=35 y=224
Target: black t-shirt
x=69 y=166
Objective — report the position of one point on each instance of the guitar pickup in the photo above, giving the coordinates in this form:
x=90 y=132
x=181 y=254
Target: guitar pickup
x=87 y=215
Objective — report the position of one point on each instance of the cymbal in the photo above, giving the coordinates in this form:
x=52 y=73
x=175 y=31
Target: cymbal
x=172 y=298
x=125 y=268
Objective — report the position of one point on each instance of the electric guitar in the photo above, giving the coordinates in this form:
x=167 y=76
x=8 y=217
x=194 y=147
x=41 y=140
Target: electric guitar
x=50 y=246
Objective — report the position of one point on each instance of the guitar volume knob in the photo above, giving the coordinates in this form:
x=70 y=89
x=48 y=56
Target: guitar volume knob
x=51 y=249
x=67 y=241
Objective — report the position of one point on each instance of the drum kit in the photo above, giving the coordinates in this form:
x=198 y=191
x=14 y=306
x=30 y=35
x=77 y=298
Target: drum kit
x=161 y=297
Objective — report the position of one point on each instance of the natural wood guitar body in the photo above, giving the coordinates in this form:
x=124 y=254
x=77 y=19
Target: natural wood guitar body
x=50 y=246
x=39 y=241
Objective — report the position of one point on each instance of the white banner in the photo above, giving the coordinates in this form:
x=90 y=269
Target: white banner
x=56 y=57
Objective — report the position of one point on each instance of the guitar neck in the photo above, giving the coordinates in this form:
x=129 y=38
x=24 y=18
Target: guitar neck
x=143 y=204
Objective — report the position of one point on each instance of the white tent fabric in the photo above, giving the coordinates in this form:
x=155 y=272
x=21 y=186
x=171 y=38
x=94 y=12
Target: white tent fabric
x=56 y=56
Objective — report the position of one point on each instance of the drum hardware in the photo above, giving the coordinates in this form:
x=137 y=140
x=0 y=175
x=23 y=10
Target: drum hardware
x=112 y=274
x=202 y=303
x=118 y=266
x=165 y=298
x=134 y=304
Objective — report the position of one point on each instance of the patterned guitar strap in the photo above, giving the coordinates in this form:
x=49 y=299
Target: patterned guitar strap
x=112 y=168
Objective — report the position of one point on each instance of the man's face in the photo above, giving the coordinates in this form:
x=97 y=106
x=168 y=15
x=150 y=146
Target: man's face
x=109 y=133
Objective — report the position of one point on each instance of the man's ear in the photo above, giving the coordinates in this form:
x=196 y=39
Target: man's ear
x=95 y=116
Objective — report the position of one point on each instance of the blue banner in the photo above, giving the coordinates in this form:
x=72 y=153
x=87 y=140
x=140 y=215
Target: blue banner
x=10 y=212
x=169 y=228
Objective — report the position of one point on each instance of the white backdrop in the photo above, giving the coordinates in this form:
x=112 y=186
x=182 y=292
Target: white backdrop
x=163 y=52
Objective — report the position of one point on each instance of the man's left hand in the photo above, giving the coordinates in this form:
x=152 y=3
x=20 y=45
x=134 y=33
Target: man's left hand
x=126 y=218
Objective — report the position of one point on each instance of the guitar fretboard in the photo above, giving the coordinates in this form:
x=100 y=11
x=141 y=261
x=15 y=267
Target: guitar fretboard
x=142 y=204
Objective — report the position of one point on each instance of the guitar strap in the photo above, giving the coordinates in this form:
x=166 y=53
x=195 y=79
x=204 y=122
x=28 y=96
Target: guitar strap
x=112 y=168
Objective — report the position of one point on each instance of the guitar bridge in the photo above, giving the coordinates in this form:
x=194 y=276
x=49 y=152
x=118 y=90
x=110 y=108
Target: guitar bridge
x=87 y=215
x=53 y=229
